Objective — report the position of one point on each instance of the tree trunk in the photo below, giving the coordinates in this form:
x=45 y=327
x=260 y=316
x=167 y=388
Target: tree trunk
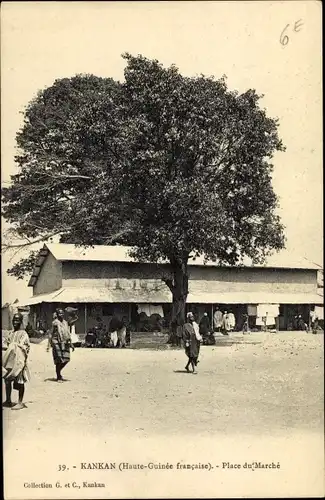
x=179 y=291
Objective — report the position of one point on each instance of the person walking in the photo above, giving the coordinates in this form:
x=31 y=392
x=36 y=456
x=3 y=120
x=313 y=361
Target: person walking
x=192 y=340
x=15 y=371
x=60 y=341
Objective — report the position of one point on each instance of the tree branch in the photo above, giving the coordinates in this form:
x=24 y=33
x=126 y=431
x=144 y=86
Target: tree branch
x=111 y=239
x=168 y=282
x=65 y=176
x=9 y=246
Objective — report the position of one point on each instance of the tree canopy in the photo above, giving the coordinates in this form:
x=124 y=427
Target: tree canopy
x=174 y=166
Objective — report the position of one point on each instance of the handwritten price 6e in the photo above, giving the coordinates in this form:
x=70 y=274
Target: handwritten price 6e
x=284 y=38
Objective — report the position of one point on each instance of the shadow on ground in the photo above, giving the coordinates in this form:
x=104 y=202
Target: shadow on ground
x=52 y=379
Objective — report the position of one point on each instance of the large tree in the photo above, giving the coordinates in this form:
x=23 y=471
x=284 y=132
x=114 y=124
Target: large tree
x=176 y=167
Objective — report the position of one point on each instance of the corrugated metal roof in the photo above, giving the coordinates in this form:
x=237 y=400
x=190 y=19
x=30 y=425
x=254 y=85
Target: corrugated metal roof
x=103 y=253
x=104 y=295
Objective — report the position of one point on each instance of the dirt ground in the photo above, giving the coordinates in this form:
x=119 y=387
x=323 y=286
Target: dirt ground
x=257 y=399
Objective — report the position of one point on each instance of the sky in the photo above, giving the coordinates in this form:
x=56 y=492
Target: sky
x=41 y=42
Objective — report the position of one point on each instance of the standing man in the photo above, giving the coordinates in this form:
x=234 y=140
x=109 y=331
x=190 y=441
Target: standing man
x=232 y=320
x=72 y=319
x=245 y=323
x=204 y=326
x=121 y=333
x=265 y=321
x=225 y=324
x=118 y=332
x=60 y=341
x=313 y=321
x=15 y=370
x=217 y=317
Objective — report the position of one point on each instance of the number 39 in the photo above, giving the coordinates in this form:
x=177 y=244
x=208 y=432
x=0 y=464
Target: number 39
x=62 y=467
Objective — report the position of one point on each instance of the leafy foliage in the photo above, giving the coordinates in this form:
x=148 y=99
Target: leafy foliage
x=171 y=165
x=24 y=266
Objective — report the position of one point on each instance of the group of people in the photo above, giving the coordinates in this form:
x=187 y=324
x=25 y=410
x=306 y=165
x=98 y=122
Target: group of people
x=224 y=322
x=114 y=336
x=299 y=323
x=16 y=345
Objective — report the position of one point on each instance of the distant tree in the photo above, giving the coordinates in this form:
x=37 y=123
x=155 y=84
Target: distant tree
x=176 y=167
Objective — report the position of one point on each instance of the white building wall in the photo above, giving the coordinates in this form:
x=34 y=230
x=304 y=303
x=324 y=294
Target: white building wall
x=202 y=279
x=50 y=276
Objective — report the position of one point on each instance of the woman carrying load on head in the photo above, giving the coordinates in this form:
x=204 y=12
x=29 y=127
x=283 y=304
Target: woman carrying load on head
x=60 y=341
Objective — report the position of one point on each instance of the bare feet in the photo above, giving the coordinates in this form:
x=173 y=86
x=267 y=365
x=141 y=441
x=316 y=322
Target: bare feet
x=19 y=406
x=8 y=404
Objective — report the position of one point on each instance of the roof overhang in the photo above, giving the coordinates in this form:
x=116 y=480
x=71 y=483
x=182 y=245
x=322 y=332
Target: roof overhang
x=163 y=296
x=254 y=298
x=102 y=295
